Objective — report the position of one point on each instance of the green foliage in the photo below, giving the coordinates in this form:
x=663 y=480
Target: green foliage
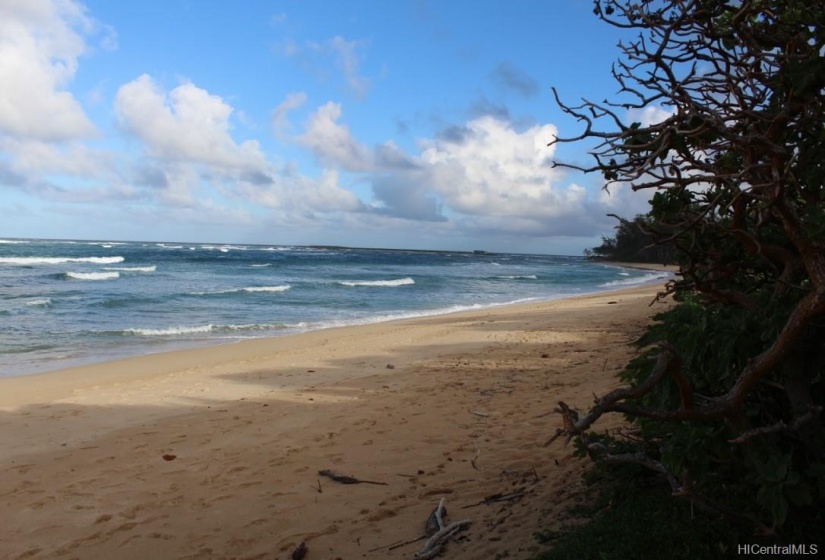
x=646 y=523
x=739 y=173
x=780 y=474
x=634 y=241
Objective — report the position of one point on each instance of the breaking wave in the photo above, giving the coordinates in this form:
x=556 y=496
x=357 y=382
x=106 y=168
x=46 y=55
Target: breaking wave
x=378 y=283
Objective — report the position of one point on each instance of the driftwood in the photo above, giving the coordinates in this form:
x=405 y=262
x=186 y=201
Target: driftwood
x=500 y=497
x=344 y=479
x=441 y=534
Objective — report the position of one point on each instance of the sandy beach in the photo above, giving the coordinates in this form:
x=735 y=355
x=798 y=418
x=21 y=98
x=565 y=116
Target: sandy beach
x=215 y=452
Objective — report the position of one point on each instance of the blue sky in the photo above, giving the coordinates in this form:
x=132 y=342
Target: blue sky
x=408 y=124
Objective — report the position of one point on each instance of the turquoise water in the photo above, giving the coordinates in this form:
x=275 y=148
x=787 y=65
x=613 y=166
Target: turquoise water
x=67 y=303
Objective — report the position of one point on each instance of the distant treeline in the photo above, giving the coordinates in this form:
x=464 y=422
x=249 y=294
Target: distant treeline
x=635 y=240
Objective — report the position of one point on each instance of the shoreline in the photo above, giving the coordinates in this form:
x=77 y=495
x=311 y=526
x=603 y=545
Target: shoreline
x=183 y=345
x=641 y=266
x=452 y=406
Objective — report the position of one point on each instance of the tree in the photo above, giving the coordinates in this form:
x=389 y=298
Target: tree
x=731 y=410
x=634 y=241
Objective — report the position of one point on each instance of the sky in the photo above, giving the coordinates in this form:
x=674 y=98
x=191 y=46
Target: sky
x=407 y=124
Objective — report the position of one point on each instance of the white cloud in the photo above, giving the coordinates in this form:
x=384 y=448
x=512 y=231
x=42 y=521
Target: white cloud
x=280 y=124
x=186 y=125
x=334 y=145
x=332 y=142
x=291 y=193
x=648 y=116
x=40 y=42
x=36 y=158
x=347 y=60
x=488 y=168
x=314 y=56
x=484 y=176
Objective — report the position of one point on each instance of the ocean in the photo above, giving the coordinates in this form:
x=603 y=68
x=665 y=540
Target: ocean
x=69 y=303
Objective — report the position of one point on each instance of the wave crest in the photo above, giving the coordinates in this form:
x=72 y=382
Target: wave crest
x=378 y=283
x=60 y=260
x=132 y=269
x=649 y=277
x=93 y=275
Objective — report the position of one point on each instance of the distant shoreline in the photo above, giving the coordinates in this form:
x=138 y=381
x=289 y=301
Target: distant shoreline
x=640 y=266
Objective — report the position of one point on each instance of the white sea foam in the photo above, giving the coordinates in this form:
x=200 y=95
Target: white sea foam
x=165 y=246
x=171 y=331
x=93 y=275
x=283 y=288
x=378 y=283
x=521 y=277
x=132 y=269
x=650 y=277
x=11 y=242
x=309 y=326
x=39 y=302
x=260 y=265
x=60 y=260
x=223 y=248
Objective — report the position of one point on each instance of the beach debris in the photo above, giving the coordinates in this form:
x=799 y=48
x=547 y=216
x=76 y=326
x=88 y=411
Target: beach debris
x=435 y=521
x=390 y=366
x=300 y=552
x=168 y=457
x=500 y=497
x=441 y=532
x=344 y=479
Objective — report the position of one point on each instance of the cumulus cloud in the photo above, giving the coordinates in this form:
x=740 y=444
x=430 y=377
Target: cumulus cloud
x=43 y=128
x=334 y=145
x=190 y=153
x=492 y=169
x=486 y=175
x=40 y=42
x=187 y=124
x=332 y=142
x=290 y=192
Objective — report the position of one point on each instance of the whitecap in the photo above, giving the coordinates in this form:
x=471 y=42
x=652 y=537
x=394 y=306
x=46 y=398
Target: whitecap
x=132 y=269
x=171 y=331
x=283 y=288
x=378 y=283
x=647 y=278
x=60 y=260
x=93 y=275
x=39 y=302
